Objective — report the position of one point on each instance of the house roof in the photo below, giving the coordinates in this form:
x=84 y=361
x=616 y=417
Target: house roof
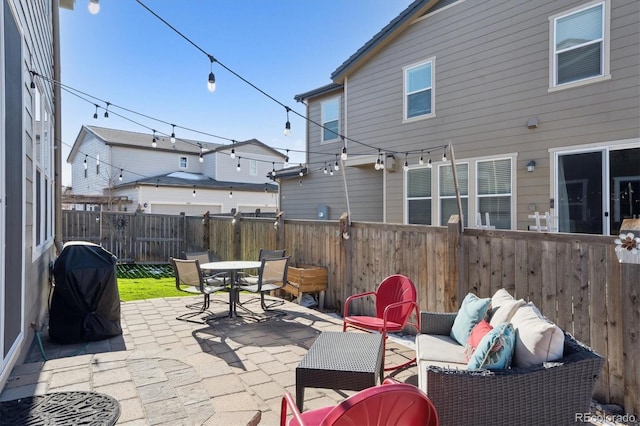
x=331 y=87
x=188 y=180
x=415 y=10
x=125 y=138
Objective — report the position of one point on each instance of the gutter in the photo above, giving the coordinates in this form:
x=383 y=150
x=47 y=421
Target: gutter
x=57 y=129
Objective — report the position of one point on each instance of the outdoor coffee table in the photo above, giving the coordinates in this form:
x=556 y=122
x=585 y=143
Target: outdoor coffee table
x=339 y=360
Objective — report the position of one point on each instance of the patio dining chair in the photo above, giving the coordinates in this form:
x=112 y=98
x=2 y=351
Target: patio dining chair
x=390 y=404
x=205 y=256
x=189 y=278
x=272 y=275
x=395 y=301
x=249 y=279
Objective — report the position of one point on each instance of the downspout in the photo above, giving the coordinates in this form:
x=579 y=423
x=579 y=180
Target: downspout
x=57 y=129
x=342 y=164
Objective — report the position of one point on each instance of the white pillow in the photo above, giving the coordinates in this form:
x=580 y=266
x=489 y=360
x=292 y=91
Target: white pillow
x=538 y=340
x=501 y=296
x=505 y=311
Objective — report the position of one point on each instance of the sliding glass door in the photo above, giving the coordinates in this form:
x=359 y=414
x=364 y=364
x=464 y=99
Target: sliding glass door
x=597 y=189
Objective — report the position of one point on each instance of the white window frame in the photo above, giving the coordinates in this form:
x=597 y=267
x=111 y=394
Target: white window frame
x=406 y=192
x=405 y=110
x=605 y=59
x=185 y=162
x=323 y=120
x=42 y=122
x=478 y=196
x=440 y=197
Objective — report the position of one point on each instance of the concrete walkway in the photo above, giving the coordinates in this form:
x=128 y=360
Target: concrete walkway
x=169 y=372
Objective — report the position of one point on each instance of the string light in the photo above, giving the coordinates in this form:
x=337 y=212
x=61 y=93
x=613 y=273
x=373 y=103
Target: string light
x=429 y=165
x=238 y=166
x=231 y=193
x=106 y=112
x=201 y=158
x=273 y=170
x=406 y=162
x=325 y=168
x=336 y=166
x=85 y=162
x=194 y=191
x=120 y=177
x=287 y=125
x=94 y=6
x=344 y=150
x=444 y=155
x=173 y=133
x=211 y=82
x=377 y=166
x=331 y=172
x=95 y=114
x=286 y=160
x=421 y=161
x=154 y=142
x=381 y=161
x=233 y=150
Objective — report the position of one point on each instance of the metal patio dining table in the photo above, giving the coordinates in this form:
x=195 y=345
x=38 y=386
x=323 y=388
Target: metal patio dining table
x=232 y=267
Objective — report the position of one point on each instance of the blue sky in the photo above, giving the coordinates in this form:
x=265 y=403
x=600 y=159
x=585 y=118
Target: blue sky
x=126 y=56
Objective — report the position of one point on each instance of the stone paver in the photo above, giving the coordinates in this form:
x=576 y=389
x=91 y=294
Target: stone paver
x=169 y=372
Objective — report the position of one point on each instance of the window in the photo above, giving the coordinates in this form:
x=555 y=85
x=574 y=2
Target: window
x=419 y=196
x=43 y=171
x=418 y=90
x=579 y=48
x=183 y=162
x=493 y=181
x=447 y=189
x=253 y=167
x=330 y=119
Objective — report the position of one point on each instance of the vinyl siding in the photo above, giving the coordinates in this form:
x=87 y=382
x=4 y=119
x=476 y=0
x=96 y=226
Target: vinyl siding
x=491 y=75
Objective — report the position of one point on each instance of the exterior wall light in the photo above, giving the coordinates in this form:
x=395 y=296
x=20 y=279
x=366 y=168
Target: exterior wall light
x=531 y=166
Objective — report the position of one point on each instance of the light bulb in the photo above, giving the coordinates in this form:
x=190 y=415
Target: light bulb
x=94 y=6
x=201 y=158
x=343 y=156
x=325 y=169
x=85 y=162
x=377 y=166
x=173 y=133
x=233 y=153
x=211 y=83
x=120 y=177
x=238 y=166
x=230 y=194
x=406 y=166
x=106 y=115
x=154 y=143
x=331 y=172
x=287 y=128
x=429 y=165
x=444 y=156
x=421 y=161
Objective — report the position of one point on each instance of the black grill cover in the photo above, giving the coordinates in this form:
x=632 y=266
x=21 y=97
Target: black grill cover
x=85 y=305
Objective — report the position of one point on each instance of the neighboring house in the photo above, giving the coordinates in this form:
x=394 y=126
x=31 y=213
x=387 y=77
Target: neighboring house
x=29 y=163
x=539 y=101
x=122 y=170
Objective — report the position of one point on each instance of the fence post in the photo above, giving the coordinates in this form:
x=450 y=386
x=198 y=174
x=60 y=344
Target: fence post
x=454 y=288
x=345 y=237
x=237 y=240
x=279 y=225
x=631 y=319
x=205 y=231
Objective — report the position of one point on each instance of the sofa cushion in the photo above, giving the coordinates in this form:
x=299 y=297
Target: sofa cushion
x=495 y=350
x=477 y=333
x=434 y=347
x=472 y=311
x=538 y=340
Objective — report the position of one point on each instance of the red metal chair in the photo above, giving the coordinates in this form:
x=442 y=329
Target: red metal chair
x=389 y=404
x=395 y=301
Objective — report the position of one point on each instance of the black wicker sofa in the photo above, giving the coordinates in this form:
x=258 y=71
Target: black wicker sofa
x=552 y=393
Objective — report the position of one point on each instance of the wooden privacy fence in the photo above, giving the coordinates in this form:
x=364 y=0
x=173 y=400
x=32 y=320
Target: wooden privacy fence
x=574 y=279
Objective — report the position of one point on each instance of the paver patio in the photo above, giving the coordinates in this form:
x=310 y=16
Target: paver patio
x=169 y=372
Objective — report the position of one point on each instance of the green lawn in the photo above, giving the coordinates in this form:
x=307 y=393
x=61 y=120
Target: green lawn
x=147 y=288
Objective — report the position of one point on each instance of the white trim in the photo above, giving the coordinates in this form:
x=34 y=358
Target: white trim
x=435 y=12
x=5 y=364
x=322 y=120
x=606 y=46
x=432 y=113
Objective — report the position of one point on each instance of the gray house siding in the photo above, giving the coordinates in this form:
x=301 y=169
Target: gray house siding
x=491 y=74
x=26 y=153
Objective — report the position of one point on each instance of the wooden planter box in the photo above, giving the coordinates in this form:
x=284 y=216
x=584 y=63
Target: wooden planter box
x=307 y=279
